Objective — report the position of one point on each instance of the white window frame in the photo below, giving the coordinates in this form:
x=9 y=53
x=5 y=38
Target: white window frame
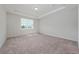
x=27 y=20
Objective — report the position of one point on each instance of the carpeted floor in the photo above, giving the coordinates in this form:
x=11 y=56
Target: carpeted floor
x=39 y=44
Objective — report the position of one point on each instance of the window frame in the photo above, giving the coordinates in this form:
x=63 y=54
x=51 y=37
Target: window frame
x=26 y=28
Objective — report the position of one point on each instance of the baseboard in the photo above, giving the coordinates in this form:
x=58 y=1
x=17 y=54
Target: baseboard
x=60 y=37
x=19 y=35
x=47 y=34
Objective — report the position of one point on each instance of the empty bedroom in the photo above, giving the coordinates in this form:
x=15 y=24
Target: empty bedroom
x=39 y=29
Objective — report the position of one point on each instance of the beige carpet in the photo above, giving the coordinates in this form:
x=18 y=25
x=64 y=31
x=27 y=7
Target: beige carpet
x=39 y=44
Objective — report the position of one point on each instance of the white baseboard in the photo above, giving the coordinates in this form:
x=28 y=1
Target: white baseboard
x=9 y=36
x=60 y=36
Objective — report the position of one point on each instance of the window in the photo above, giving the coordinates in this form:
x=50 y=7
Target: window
x=26 y=23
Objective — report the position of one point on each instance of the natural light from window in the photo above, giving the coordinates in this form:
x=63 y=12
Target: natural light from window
x=26 y=23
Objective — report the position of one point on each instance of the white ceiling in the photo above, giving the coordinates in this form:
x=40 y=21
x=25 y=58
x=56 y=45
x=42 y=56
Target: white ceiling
x=28 y=9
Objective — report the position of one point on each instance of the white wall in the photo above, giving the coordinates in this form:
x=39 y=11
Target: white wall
x=2 y=26
x=14 y=26
x=62 y=24
x=78 y=26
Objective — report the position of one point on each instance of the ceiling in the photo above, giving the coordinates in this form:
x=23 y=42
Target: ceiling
x=29 y=11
